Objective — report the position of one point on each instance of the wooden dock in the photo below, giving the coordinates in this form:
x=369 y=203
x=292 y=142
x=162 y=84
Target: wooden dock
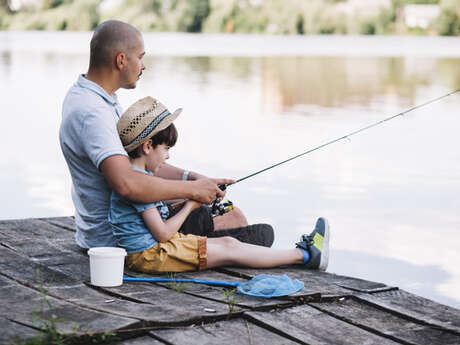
x=42 y=272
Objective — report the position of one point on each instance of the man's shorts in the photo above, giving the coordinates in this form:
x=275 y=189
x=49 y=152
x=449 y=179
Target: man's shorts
x=199 y=222
x=181 y=253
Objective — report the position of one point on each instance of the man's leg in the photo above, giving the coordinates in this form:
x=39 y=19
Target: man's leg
x=230 y=220
x=201 y=223
x=259 y=234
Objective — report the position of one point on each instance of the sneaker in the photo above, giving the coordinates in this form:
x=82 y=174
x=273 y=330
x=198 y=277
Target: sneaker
x=258 y=234
x=317 y=245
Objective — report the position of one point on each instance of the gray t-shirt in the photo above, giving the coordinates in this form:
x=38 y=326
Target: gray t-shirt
x=88 y=135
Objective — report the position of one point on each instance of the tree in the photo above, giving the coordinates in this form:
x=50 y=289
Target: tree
x=5 y=5
x=448 y=22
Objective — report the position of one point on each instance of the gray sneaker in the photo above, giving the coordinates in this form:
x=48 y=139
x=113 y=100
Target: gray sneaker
x=317 y=245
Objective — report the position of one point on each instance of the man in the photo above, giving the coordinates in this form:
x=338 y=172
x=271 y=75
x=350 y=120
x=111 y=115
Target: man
x=94 y=154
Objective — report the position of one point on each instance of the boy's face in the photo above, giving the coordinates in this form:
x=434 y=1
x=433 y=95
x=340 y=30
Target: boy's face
x=156 y=157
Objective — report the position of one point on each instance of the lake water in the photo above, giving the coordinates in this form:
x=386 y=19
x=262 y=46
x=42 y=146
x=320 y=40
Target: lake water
x=391 y=194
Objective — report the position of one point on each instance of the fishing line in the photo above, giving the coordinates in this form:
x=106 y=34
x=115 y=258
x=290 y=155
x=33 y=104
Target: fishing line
x=347 y=136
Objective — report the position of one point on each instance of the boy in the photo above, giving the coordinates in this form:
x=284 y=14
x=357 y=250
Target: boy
x=150 y=235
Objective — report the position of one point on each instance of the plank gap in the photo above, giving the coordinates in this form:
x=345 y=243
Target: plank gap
x=364 y=327
x=404 y=316
x=272 y=329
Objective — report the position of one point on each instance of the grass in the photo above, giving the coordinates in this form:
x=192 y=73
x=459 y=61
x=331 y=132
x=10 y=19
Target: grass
x=48 y=326
x=178 y=287
x=231 y=300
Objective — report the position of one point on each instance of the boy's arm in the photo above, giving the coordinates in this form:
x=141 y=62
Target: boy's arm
x=142 y=188
x=161 y=230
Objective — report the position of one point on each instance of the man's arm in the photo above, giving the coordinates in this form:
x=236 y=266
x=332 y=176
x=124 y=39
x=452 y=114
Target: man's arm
x=170 y=172
x=142 y=188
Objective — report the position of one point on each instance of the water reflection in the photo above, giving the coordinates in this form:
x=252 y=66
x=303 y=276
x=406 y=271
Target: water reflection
x=380 y=269
x=288 y=82
x=388 y=193
x=339 y=81
x=5 y=63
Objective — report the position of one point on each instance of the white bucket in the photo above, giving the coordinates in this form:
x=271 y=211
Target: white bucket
x=106 y=266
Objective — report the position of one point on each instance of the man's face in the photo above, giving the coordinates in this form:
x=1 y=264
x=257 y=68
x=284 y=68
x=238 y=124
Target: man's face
x=134 y=65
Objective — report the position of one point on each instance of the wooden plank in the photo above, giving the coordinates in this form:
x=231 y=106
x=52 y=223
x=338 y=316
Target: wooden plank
x=158 y=305
x=35 y=248
x=67 y=223
x=165 y=307
x=235 y=331
x=240 y=299
x=154 y=305
x=143 y=340
x=327 y=284
x=70 y=264
x=27 y=302
x=417 y=308
x=31 y=273
x=374 y=314
x=217 y=293
x=12 y=332
x=51 y=253
x=32 y=228
x=311 y=326
x=310 y=277
x=392 y=326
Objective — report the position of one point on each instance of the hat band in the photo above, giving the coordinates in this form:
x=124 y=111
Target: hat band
x=145 y=133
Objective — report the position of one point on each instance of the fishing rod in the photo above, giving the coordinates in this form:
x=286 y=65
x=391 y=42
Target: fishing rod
x=347 y=136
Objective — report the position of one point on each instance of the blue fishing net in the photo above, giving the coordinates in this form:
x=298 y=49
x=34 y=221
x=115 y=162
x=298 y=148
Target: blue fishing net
x=266 y=285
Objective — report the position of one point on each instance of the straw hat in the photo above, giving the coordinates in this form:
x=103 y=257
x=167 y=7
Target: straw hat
x=143 y=120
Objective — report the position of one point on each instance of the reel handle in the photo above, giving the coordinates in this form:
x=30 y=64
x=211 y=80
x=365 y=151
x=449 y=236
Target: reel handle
x=215 y=208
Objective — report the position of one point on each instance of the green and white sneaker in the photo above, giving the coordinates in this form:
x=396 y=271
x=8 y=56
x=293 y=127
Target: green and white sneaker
x=317 y=245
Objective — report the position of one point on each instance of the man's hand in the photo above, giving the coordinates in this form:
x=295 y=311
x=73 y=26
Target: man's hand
x=206 y=189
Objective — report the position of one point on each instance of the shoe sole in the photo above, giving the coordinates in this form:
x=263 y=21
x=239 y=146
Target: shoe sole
x=324 y=262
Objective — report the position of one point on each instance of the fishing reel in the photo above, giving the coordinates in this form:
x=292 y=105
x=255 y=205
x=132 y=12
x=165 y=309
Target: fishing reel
x=219 y=209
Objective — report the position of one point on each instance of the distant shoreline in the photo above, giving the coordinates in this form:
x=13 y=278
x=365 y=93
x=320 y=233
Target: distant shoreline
x=241 y=45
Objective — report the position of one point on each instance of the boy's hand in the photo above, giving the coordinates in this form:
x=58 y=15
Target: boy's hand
x=225 y=182
x=206 y=189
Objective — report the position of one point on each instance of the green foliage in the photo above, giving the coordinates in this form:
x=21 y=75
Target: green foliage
x=415 y=2
x=47 y=4
x=231 y=300
x=4 y=6
x=229 y=16
x=448 y=22
x=156 y=15
x=78 y=15
x=48 y=326
x=178 y=287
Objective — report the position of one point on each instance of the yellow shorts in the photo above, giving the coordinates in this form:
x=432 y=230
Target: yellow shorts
x=181 y=253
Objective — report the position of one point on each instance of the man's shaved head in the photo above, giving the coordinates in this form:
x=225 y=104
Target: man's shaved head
x=109 y=39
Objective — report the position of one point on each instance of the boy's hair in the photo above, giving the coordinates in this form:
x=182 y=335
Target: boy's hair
x=167 y=136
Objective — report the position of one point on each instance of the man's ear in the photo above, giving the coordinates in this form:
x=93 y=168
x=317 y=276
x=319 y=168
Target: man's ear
x=120 y=60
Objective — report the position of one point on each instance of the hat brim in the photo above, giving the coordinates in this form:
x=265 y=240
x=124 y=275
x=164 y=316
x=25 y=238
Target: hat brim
x=162 y=125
